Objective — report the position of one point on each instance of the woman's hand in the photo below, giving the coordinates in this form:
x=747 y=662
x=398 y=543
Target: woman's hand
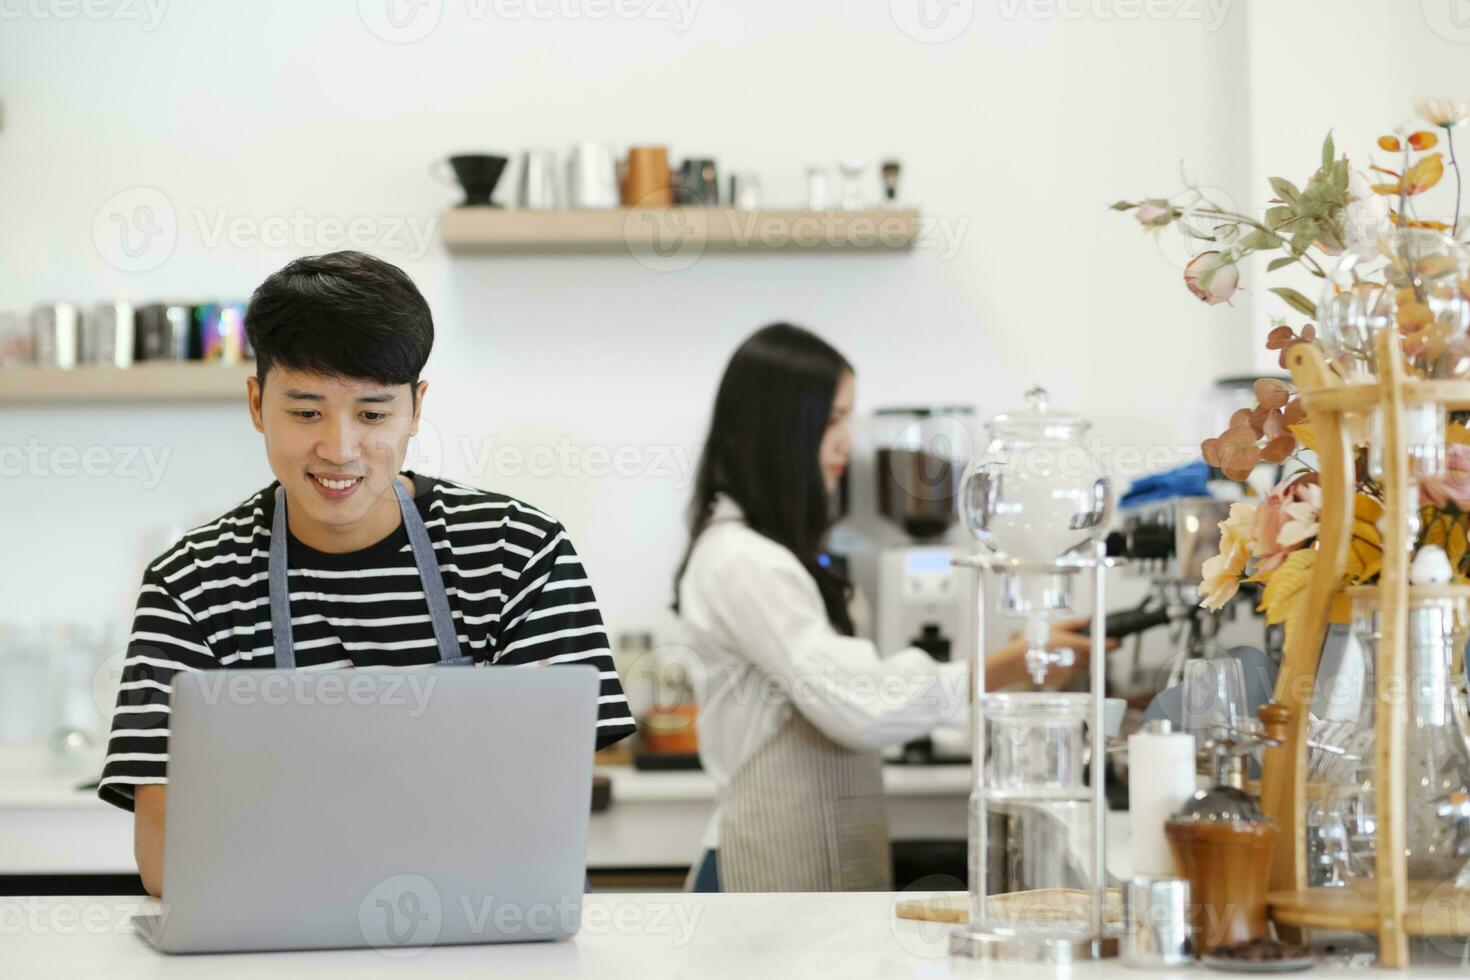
x=1068 y=635
x=1006 y=666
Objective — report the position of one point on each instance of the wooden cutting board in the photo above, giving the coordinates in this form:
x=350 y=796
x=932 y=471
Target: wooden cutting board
x=1039 y=905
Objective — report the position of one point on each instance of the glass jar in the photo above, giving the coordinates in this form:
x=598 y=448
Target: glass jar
x=1037 y=749
x=1416 y=282
x=1436 y=735
x=1038 y=813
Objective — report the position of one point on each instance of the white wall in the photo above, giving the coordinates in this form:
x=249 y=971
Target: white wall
x=1021 y=129
x=1387 y=54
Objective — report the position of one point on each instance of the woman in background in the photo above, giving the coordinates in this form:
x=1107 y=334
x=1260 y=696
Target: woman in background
x=795 y=704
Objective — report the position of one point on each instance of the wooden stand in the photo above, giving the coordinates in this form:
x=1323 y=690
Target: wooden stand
x=1389 y=904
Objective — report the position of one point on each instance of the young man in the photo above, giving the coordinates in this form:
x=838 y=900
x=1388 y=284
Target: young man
x=371 y=567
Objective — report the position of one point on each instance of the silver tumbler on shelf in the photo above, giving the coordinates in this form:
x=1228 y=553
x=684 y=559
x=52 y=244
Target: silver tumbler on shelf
x=163 y=331
x=540 y=184
x=592 y=176
x=56 y=329
x=110 y=334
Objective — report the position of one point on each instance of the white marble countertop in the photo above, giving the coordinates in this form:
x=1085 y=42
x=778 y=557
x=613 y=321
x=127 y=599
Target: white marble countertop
x=32 y=777
x=850 y=935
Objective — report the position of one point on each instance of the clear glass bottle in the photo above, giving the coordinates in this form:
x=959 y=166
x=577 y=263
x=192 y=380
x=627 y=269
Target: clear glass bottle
x=1436 y=736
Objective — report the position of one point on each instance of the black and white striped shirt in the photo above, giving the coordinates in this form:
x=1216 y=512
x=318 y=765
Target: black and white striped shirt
x=516 y=588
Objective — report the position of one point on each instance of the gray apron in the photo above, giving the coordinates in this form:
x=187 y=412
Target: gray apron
x=429 y=577
x=805 y=814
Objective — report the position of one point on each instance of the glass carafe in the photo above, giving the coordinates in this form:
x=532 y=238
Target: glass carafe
x=1436 y=736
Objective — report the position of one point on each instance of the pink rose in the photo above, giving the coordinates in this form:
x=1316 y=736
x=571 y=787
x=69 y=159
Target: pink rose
x=1454 y=486
x=1154 y=214
x=1210 y=278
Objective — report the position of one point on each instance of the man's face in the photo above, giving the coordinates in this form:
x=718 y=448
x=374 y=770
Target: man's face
x=336 y=444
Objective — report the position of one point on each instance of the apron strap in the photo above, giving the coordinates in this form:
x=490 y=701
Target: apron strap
x=430 y=578
x=280 y=589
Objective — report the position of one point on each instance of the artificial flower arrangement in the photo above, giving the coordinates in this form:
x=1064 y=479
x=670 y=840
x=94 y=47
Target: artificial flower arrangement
x=1272 y=540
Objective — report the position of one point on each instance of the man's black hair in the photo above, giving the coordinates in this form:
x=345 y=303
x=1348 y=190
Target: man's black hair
x=344 y=314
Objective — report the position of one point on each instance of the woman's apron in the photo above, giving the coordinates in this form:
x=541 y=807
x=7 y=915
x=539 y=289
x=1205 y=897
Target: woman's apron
x=805 y=814
x=445 y=635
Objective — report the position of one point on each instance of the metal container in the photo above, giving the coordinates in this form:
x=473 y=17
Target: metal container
x=163 y=331
x=1156 y=931
x=592 y=176
x=56 y=329
x=111 y=335
x=540 y=185
x=1172 y=538
x=922 y=451
x=17 y=343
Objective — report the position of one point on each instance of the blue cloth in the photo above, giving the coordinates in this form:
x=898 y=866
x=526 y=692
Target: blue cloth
x=1182 y=481
x=707 y=879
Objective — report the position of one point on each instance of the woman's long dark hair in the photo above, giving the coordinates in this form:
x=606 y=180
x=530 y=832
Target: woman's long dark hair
x=765 y=437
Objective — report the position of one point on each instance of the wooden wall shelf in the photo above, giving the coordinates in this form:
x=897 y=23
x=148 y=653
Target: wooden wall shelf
x=156 y=382
x=661 y=232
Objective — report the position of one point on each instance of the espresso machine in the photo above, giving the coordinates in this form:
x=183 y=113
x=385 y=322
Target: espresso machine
x=901 y=535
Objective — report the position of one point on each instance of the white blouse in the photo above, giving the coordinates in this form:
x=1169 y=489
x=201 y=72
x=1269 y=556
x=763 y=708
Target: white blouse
x=766 y=648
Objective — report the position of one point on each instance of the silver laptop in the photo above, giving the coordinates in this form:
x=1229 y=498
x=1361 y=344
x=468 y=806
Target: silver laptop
x=375 y=808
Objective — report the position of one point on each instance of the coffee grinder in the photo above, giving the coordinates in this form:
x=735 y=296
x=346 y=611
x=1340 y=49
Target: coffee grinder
x=901 y=537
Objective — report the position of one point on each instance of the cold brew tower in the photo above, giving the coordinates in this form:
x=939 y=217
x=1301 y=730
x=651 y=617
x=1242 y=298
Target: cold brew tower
x=1036 y=502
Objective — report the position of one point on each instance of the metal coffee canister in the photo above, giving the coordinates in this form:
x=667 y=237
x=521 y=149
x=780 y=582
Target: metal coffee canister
x=163 y=331
x=540 y=184
x=56 y=329
x=1156 y=930
x=592 y=176
x=110 y=334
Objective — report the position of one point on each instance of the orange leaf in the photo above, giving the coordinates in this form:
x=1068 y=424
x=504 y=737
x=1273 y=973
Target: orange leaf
x=1424 y=174
x=1389 y=143
x=1414 y=316
x=1423 y=140
x=1398 y=220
